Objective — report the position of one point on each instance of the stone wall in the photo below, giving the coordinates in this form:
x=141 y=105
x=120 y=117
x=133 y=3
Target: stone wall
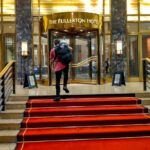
x=118 y=33
x=23 y=33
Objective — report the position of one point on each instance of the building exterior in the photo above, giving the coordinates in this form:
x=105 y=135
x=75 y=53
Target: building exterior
x=107 y=36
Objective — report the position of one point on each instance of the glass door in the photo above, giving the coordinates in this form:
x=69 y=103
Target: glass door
x=133 y=58
x=83 y=68
x=85 y=58
x=41 y=59
x=145 y=39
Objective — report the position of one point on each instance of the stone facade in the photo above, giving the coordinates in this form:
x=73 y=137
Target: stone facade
x=23 y=33
x=118 y=33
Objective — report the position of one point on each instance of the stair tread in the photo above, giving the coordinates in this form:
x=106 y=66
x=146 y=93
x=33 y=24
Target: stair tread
x=81 y=101
x=9 y=132
x=12 y=111
x=85 y=130
x=90 y=144
x=85 y=107
x=145 y=98
x=82 y=108
x=8 y=146
x=36 y=122
x=147 y=106
x=2 y=121
x=87 y=118
x=16 y=102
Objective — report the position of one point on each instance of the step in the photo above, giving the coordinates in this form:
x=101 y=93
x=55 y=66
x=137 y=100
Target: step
x=148 y=106
x=83 y=101
x=88 y=110
x=18 y=98
x=145 y=101
x=8 y=136
x=85 y=120
x=10 y=124
x=12 y=114
x=96 y=144
x=84 y=132
x=143 y=95
x=8 y=146
x=16 y=105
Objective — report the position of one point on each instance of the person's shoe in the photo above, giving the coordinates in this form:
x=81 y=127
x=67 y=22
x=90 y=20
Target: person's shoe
x=65 y=89
x=57 y=99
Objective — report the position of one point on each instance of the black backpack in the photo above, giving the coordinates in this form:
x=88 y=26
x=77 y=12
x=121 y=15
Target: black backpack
x=63 y=53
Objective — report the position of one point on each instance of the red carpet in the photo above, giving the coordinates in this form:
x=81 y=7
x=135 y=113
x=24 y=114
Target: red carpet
x=86 y=123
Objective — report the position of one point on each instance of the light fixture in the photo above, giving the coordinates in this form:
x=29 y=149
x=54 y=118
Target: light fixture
x=119 y=47
x=24 y=48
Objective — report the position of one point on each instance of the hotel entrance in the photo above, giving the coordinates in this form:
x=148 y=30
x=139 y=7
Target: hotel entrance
x=84 y=66
x=79 y=30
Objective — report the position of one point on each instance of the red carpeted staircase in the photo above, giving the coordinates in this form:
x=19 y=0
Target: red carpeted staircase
x=85 y=123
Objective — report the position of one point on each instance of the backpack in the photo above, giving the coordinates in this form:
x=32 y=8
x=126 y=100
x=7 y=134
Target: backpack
x=63 y=53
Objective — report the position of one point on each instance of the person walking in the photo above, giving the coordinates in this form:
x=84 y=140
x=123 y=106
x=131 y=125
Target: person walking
x=58 y=67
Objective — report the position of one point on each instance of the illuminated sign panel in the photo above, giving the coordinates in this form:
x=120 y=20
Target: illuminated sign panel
x=72 y=19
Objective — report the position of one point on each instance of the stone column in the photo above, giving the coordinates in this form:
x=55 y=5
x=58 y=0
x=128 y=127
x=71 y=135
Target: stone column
x=23 y=33
x=118 y=21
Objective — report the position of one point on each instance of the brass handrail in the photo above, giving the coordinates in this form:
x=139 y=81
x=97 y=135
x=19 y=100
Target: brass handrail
x=92 y=58
x=7 y=83
x=147 y=59
x=6 y=68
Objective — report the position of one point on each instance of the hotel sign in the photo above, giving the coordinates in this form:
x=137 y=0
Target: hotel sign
x=72 y=19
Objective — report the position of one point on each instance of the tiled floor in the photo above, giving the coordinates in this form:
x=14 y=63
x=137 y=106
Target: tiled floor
x=131 y=87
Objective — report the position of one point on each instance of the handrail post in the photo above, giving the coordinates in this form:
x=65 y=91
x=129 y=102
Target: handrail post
x=144 y=75
x=3 y=91
x=14 y=78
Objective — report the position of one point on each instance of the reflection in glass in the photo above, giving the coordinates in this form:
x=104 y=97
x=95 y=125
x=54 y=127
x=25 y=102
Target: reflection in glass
x=146 y=46
x=107 y=56
x=144 y=6
x=9 y=28
x=132 y=18
x=107 y=7
x=132 y=27
x=107 y=27
x=9 y=48
x=133 y=56
x=36 y=27
x=144 y=18
x=9 y=7
x=132 y=7
x=144 y=26
x=9 y=18
x=36 y=57
x=44 y=58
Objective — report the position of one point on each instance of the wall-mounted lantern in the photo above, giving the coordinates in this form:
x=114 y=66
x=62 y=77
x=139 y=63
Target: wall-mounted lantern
x=24 y=48
x=119 y=49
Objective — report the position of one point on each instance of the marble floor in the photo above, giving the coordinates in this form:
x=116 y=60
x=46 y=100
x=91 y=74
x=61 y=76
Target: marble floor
x=76 y=89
